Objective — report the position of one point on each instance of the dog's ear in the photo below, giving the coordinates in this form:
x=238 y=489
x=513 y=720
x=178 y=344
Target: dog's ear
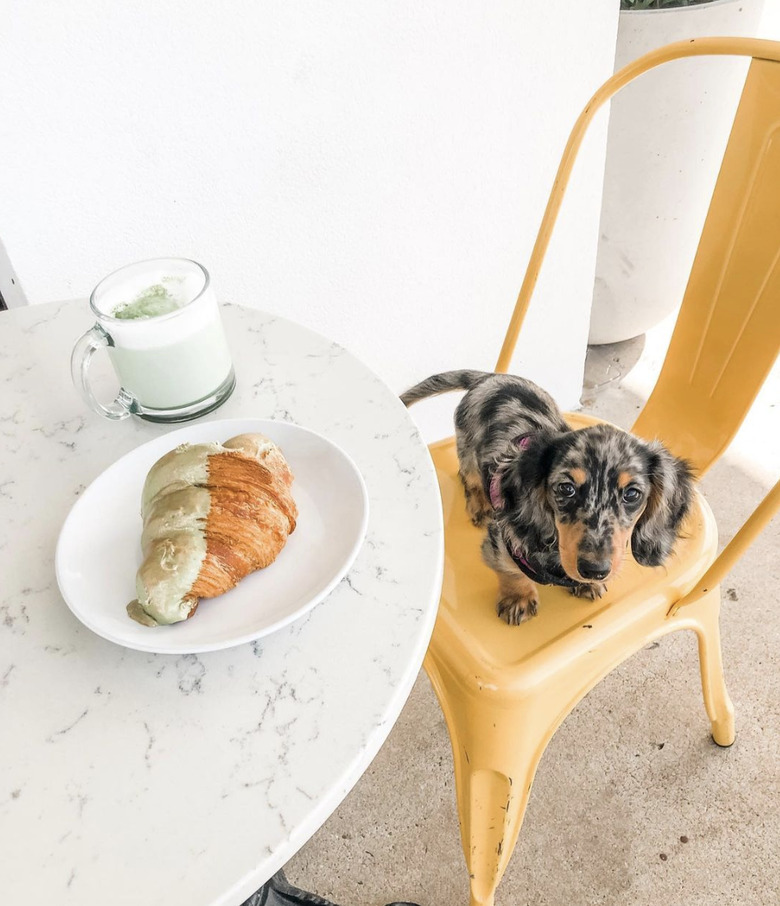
x=528 y=468
x=671 y=491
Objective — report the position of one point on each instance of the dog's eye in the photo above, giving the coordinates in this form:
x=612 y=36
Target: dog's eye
x=631 y=495
x=566 y=489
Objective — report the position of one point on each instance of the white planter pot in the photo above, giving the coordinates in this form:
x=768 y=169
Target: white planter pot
x=667 y=134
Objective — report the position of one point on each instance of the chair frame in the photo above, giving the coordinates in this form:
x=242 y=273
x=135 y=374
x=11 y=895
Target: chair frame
x=494 y=769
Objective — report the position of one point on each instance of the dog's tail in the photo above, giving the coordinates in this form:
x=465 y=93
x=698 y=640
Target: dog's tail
x=443 y=383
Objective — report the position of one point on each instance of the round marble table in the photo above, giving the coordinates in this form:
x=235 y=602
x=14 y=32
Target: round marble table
x=160 y=779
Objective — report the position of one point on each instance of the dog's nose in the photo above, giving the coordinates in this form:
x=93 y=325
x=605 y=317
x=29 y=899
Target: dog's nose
x=594 y=569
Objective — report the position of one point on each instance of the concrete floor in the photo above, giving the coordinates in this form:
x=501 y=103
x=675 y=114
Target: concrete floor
x=633 y=804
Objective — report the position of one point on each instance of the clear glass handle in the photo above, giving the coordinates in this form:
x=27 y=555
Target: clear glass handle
x=86 y=346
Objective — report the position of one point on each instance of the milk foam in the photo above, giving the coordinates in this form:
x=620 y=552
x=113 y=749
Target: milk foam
x=187 y=284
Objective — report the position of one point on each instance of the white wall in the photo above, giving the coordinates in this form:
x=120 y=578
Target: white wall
x=375 y=170
x=770 y=21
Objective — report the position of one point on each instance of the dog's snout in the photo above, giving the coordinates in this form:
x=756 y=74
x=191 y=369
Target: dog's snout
x=593 y=569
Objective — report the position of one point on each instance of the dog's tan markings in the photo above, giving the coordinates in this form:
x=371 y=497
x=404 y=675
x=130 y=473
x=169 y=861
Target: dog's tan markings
x=624 y=480
x=620 y=539
x=477 y=505
x=569 y=539
x=580 y=476
x=518 y=598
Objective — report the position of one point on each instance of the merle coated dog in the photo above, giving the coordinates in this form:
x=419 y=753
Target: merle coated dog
x=560 y=506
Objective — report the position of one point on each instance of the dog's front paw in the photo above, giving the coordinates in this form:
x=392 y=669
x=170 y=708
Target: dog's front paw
x=517 y=609
x=591 y=592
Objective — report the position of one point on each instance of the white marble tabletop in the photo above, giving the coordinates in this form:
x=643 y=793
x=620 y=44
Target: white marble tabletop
x=136 y=778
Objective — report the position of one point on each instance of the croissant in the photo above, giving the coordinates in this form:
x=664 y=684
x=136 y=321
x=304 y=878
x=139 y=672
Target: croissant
x=212 y=513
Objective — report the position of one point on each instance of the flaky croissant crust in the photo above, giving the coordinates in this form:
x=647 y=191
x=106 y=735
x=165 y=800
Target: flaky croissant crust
x=212 y=514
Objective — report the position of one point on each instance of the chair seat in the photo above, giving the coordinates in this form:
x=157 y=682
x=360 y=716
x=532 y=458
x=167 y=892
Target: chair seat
x=513 y=660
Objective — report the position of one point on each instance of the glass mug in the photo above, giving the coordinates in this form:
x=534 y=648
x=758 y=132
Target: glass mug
x=160 y=321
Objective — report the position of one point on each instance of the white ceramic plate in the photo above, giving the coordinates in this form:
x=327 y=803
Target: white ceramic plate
x=99 y=548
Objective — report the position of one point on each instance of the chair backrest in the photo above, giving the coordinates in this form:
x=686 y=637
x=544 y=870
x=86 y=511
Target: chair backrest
x=727 y=335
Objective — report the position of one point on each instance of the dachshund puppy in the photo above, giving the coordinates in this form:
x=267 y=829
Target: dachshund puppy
x=560 y=506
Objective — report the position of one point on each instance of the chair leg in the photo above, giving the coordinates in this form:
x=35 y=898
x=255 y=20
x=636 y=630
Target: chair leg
x=716 y=697
x=496 y=752
x=492 y=805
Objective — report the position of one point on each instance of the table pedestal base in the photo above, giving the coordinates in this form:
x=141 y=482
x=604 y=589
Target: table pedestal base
x=279 y=892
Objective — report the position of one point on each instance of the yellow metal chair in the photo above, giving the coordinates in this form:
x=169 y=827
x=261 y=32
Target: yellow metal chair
x=504 y=690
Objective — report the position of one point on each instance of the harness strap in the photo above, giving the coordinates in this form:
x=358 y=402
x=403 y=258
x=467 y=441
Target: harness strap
x=538 y=575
